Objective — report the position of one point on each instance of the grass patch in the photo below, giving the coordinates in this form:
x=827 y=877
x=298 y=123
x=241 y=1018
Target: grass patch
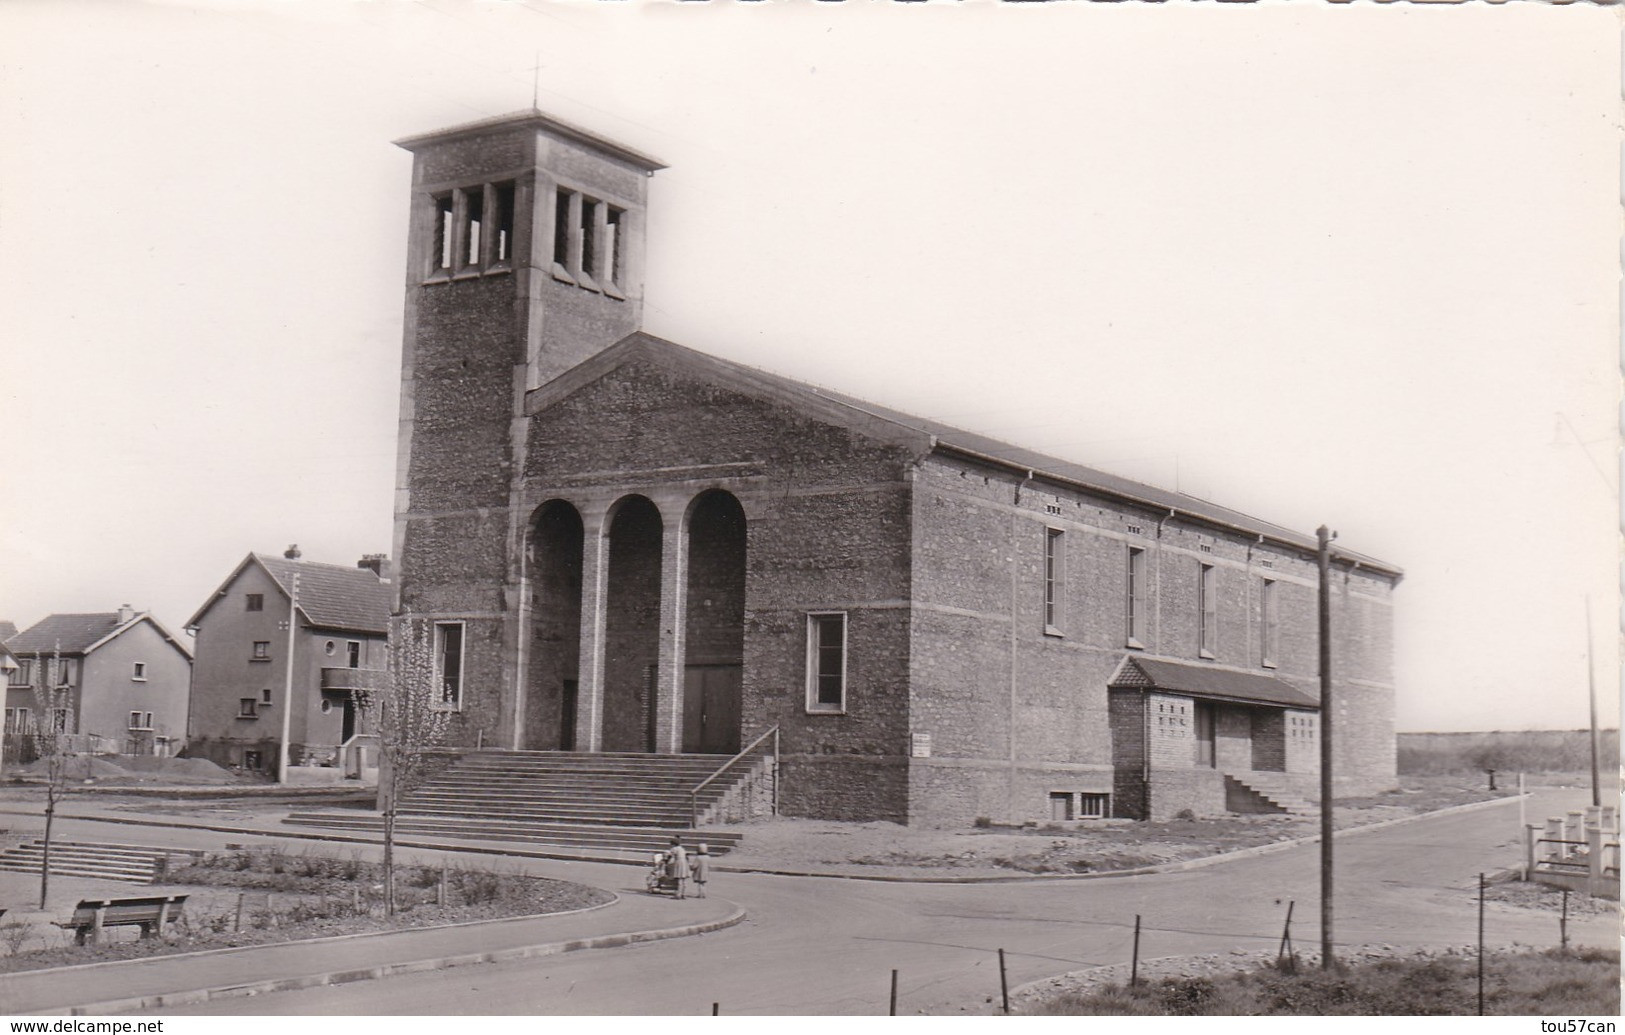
x=1578 y=983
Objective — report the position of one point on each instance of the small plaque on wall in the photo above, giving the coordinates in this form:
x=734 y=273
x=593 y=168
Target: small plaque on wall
x=921 y=746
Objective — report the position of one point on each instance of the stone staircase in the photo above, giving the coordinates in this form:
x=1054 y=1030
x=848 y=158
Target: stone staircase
x=139 y=864
x=1272 y=790
x=591 y=802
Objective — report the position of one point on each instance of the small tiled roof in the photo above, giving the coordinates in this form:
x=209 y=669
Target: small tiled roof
x=70 y=634
x=333 y=596
x=1206 y=681
x=80 y=633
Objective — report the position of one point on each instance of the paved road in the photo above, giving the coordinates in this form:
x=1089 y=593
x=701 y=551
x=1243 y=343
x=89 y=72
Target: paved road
x=827 y=946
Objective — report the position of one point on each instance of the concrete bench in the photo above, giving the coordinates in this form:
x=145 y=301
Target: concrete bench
x=150 y=913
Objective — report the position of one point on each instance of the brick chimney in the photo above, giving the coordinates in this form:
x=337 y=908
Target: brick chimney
x=292 y=552
x=377 y=563
x=125 y=613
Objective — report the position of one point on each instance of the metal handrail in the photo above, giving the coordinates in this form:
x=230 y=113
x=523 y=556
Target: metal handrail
x=694 y=795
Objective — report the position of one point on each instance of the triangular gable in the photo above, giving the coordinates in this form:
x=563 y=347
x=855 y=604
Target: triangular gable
x=174 y=641
x=224 y=588
x=869 y=420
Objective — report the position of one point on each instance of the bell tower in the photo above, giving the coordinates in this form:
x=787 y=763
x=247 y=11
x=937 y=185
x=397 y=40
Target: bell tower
x=524 y=258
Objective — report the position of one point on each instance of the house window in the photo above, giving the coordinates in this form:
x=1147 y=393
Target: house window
x=1208 y=601
x=1138 y=626
x=23 y=674
x=140 y=671
x=353 y=650
x=826 y=662
x=247 y=708
x=67 y=672
x=1094 y=806
x=448 y=663
x=262 y=650
x=329 y=647
x=141 y=720
x=1270 y=642
x=265 y=696
x=59 y=720
x=17 y=720
x=1054 y=577
x=256 y=601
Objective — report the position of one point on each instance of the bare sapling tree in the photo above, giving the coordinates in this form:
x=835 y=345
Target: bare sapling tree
x=53 y=704
x=412 y=717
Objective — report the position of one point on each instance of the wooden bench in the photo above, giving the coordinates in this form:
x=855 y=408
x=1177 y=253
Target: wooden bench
x=150 y=914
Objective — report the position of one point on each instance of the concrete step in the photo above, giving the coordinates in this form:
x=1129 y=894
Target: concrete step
x=135 y=863
x=576 y=837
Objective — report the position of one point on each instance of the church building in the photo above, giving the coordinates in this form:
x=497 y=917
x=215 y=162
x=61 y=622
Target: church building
x=625 y=545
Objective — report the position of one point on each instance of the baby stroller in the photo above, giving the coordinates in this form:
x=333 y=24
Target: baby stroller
x=661 y=879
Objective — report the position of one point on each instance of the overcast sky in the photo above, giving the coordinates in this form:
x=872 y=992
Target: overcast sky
x=1352 y=265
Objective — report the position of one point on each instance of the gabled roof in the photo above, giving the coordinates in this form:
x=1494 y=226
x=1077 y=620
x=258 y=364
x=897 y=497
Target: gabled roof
x=1210 y=683
x=79 y=634
x=331 y=596
x=921 y=434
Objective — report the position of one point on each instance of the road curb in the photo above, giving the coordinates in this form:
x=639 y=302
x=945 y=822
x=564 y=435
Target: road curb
x=163 y=1000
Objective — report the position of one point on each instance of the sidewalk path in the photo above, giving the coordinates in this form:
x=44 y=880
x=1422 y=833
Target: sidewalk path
x=162 y=982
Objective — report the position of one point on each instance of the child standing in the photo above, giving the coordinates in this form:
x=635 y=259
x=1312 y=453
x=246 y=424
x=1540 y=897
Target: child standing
x=702 y=870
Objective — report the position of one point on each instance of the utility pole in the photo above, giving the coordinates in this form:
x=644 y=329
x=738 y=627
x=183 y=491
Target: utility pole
x=287 y=683
x=1591 y=686
x=1325 y=538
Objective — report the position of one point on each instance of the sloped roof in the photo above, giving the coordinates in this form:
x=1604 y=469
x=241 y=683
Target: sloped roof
x=334 y=596
x=923 y=434
x=1208 y=682
x=75 y=634
x=331 y=596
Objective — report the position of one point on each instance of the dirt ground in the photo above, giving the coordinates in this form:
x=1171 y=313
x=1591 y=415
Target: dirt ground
x=886 y=849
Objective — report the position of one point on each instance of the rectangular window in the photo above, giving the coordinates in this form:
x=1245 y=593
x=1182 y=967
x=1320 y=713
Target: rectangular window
x=1054 y=579
x=561 y=229
x=67 y=672
x=1138 y=626
x=589 y=237
x=140 y=671
x=141 y=720
x=1094 y=806
x=1270 y=642
x=614 y=246
x=444 y=209
x=353 y=650
x=473 y=224
x=502 y=223
x=23 y=674
x=265 y=696
x=59 y=720
x=1208 y=600
x=256 y=601
x=262 y=650
x=17 y=720
x=826 y=662
x=247 y=708
x=448 y=663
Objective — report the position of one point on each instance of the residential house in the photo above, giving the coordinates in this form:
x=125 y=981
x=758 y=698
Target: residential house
x=247 y=662
x=115 y=682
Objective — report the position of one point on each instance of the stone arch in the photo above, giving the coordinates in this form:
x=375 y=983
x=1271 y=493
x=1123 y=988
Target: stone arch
x=553 y=672
x=631 y=625
x=714 y=626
